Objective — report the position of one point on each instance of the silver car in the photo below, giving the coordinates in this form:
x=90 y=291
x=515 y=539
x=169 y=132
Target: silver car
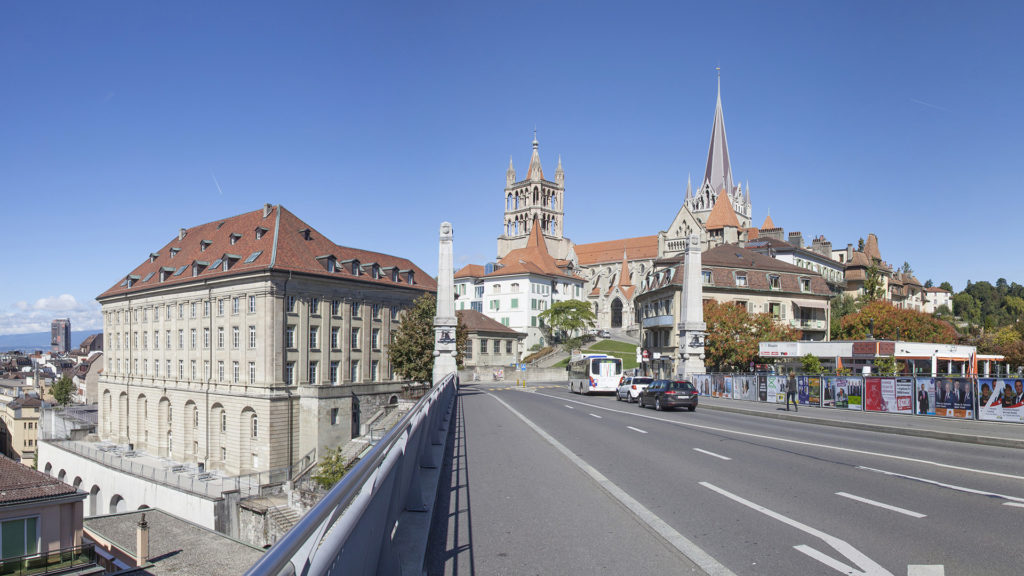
x=631 y=387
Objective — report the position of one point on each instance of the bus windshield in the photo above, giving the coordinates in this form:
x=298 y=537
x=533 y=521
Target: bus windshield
x=606 y=367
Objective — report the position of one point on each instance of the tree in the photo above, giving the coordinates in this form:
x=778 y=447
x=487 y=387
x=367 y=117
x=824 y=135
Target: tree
x=62 y=390
x=886 y=365
x=906 y=269
x=842 y=305
x=947 y=287
x=733 y=334
x=928 y=283
x=412 y=351
x=810 y=364
x=873 y=288
x=860 y=245
x=569 y=316
x=332 y=467
x=887 y=319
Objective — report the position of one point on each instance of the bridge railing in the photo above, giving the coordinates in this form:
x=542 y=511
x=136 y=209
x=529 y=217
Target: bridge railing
x=351 y=529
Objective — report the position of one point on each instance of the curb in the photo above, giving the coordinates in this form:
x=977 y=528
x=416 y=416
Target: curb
x=937 y=434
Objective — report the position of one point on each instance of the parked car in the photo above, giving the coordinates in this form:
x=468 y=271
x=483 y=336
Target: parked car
x=669 y=394
x=604 y=334
x=631 y=387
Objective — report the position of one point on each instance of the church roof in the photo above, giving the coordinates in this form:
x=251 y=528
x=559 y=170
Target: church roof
x=640 y=248
x=768 y=224
x=719 y=169
x=533 y=259
x=269 y=239
x=722 y=214
x=535 y=163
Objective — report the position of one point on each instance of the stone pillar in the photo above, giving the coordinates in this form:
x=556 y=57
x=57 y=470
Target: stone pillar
x=692 y=329
x=445 y=321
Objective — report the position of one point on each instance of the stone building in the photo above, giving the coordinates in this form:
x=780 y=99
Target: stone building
x=19 y=428
x=243 y=344
x=534 y=199
x=489 y=343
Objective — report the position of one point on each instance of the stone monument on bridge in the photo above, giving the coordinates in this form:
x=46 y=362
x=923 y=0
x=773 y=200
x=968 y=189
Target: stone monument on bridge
x=445 y=321
x=692 y=329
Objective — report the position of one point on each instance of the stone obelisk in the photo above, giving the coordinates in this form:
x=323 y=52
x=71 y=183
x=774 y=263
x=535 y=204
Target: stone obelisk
x=692 y=329
x=445 y=320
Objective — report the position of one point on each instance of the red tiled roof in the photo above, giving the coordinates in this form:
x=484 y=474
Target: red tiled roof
x=533 y=259
x=19 y=483
x=640 y=248
x=477 y=322
x=722 y=214
x=288 y=244
x=470 y=271
x=768 y=224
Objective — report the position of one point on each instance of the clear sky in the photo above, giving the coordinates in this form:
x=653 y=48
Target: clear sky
x=121 y=122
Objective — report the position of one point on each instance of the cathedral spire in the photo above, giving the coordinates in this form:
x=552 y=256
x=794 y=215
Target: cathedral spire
x=559 y=173
x=689 y=187
x=719 y=170
x=510 y=174
x=535 y=171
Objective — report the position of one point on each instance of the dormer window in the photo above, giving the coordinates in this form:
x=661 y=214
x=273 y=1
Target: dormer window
x=409 y=278
x=204 y=244
x=130 y=280
x=375 y=271
x=234 y=238
x=805 y=284
x=741 y=279
x=198 y=266
x=228 y=260
x=389 y=272
x=355 y=267
x=153 y=256
x=774 y=282
x=260 y=231
x=305 y=233
x=166 y=272
x=706 y=277
x=329 y=262
x=174 y=252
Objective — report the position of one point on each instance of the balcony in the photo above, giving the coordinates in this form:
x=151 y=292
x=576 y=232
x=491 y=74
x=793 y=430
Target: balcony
x=659 y=321
x=79 y=560
x=807 y=324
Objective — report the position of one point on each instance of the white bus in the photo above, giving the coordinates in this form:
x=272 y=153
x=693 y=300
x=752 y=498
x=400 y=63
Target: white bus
x=590 y=373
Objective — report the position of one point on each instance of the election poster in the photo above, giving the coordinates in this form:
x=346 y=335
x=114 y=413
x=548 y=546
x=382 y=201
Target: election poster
x=762 y=387
x=888 y=394
x=828 y=392
x=950 y=397
x=744 y=387
x=926 y=396
x=1001 y=399
x=776 y=388
x=703 y=383
x=849 y=392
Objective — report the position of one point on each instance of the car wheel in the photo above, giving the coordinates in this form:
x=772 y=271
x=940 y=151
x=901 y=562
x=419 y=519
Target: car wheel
x=618 y=397
x=640 y=401
x=691 y=408
x=657 y=404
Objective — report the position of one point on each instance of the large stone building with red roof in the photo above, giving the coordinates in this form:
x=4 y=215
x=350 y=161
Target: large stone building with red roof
x=240 y=345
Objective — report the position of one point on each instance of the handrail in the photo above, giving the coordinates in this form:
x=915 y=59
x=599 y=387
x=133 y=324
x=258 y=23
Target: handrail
x=362 y=508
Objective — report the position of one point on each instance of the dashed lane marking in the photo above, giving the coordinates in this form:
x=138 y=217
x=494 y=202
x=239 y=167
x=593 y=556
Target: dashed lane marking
x=637 y=430
x=881 y=505
x=712 y=454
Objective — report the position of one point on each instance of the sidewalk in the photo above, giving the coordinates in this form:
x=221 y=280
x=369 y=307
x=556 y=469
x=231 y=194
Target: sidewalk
x=1008 y=435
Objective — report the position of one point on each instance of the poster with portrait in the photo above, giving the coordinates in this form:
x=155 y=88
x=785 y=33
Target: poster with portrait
x=703 y=383
x=828 y=392
x=1001 y=399
x=776 y=388
x=853 y=391
x=802 y=393
x=926 y=396
x=814 y=390
x=840 y=386
x=952 y=397
x=744 y=387
x=762 y=387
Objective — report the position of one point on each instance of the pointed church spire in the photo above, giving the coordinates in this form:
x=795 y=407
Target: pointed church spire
x=748 y=192
x=719 y=170
x=689 y=187
x=624 y=272
x=510 y=174
x=535 y=171
x=559 y=173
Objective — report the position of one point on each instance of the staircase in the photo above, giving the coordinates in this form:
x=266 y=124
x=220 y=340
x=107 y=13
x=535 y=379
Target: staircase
x=283 y=518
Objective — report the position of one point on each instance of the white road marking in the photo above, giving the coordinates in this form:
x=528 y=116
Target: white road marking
x=799 y=442
x=637 y=430
x=944 y=485
x=1014 y=504
x=867 y=566
x=712 y=454
x=701 y=558
x=881 y=505
x=595 y=415
x=926 y=570
x=567 y=406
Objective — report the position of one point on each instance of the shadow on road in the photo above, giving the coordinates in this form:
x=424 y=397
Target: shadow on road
x=451 y=529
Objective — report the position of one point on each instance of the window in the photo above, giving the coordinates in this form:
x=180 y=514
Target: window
x=495 y=305
x=220 y=370
x=168 y=364
x=375 y=338
x=192 y=332
x=313 y=332
x=168 y=314
x=334 y=337
x=167 y=340
x=19 y=537
x=355 y=339
x=314 y=306
x=335 y=307
x=220 y=337
x=206 y=370
x=206 y=338
x=235 y=304
x=289 y=373
x=206 y=309
x=252 y=304
x=354 y=370
x=235 y=337
x=252 y=372
x=145 y=314
x=145 y=340
x=334 y=416
x=223 y=420
x=223 y=454
x=775 y=309
x=291 y=304
x=252 y=336
x=515 y=303
x=312 y=372
x=497 y=288
x=469 y=349
x=706 y=276
x=195 y=375
x=374 y=370
x=741 y=279
x=220 y=307
x=515 y=287
x=255 y=426
x=496 y=347
x=289 y=337
x=333 y=374
x=508 y=346
x=375 y=310
x=355 y=309
x=181 y=370
x=483 y=345
x=774 y=282
x=805 y=284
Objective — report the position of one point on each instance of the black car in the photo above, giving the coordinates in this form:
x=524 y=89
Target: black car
x=668 y=394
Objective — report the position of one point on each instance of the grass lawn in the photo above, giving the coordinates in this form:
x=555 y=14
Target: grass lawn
x=622 y=350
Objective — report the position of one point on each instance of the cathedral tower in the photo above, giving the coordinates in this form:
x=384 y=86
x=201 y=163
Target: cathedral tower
x=534 y=199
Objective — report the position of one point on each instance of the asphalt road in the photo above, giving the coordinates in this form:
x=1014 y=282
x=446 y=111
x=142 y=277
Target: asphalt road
x=756 y=495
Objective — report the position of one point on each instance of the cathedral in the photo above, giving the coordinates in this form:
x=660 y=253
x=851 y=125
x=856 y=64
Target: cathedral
x=719 y=211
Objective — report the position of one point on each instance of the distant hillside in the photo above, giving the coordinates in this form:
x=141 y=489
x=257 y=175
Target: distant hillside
x=40 y=340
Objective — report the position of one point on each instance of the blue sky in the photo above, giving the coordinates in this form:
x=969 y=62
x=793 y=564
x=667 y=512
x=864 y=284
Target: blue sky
x=376 y=121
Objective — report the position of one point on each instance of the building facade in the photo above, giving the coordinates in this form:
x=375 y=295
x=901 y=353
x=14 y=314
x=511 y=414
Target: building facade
x=240 y=344
x=19 y=434
x=489 y=343
x=60 y=336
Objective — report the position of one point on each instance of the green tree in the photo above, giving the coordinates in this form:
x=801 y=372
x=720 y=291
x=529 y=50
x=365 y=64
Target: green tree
x=873 y=284
x=860 y=245
x=886 y=365
x=412 y=350
x=332 y=467
x=888 y=320
x=947 y=287
x=967 y=308
x=62 y=390
x=810 y=364
x=570 y=317
x=733 y=335
x=906 y=269
x=928 y=283
x=842 y=305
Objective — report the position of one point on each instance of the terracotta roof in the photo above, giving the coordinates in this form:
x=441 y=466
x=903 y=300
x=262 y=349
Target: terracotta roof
x=287 y=244
x=533 y=259
x=25 y=402
x=768 y=224
x=470 y=271
x=478 y=322
x=19 y=483
x=722 y=214
x=871 y=247
x=639 y=248
x=936 y=289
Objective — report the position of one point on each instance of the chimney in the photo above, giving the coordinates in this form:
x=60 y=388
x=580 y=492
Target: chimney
x=181 y=234
x=266 y=210
x=849 y=252
x=796 y=239
x=142 y=542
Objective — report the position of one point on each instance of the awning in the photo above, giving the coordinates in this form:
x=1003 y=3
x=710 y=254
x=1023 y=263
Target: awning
x=807 y=304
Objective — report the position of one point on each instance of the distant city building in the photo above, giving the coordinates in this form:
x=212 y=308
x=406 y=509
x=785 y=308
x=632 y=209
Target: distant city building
x=92 y=343
x=60 y=336
x=935 y=298
x=489 y=343
x=19 y=428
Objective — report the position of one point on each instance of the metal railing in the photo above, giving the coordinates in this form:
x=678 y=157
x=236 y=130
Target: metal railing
x=353 y=525
x=60 y=560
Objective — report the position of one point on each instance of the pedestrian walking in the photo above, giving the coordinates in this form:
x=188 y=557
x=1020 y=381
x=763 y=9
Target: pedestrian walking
x=791 y=391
